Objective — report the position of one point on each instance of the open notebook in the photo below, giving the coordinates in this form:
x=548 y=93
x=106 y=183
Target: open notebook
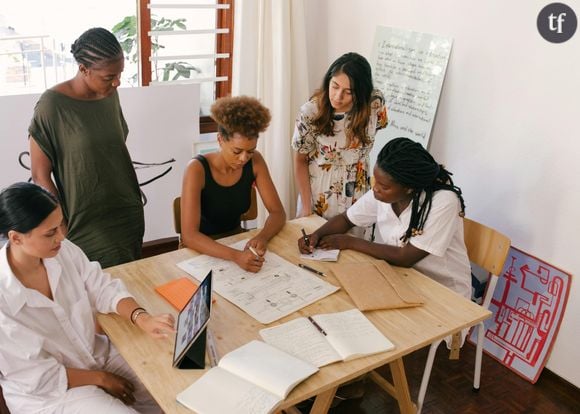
x=327 y=338
x=252 y=379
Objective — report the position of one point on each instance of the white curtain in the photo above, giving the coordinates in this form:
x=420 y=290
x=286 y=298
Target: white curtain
x=270 y=64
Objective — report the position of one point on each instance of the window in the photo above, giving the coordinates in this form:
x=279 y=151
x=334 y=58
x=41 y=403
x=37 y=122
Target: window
x=188 y=42
x=164 y=41
x=36 y=37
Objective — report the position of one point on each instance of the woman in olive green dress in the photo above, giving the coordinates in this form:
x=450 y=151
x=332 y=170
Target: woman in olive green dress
x=78 y=135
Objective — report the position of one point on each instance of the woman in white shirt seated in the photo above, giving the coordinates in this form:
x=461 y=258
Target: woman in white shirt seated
x=51 y=358
x=418 y=214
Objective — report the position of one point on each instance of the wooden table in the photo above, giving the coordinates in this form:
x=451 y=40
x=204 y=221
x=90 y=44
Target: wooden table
x=443 y=313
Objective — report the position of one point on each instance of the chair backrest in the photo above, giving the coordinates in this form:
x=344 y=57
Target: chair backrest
x=177 y=214
x=486 y=247
x=251 y=214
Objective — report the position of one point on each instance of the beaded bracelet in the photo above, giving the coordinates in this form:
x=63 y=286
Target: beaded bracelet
x=135 y=314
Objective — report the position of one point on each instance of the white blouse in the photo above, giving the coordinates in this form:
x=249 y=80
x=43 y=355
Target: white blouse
x=447 y=261
x=39 y=337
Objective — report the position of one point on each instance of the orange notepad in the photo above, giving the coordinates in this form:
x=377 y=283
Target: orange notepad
x=177 y=292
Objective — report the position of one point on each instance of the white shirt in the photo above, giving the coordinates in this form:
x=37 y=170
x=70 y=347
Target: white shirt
x=442 y=237
x=39 y=337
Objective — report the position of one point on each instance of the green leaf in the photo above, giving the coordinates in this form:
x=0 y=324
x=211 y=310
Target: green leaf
x=126 y=31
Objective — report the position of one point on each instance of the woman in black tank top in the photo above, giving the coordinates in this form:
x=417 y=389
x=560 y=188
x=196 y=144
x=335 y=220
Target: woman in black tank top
x=217 y=186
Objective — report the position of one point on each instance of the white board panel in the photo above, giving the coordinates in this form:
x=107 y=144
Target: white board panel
x=409 y=68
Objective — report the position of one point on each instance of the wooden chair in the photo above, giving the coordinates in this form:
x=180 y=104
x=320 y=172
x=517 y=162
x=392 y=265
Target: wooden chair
x=488 y=249
x=251 y=214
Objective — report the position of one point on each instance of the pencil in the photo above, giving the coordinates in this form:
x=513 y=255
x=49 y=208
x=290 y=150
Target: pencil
x=254 y=252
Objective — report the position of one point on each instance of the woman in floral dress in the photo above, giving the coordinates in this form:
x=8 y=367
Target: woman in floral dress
x=333 y=137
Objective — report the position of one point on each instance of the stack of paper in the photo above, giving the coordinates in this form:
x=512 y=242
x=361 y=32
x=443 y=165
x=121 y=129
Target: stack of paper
x=277 y=290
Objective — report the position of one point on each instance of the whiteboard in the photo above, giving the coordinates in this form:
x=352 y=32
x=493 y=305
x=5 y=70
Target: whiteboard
x=163 y=125
x=409 y=68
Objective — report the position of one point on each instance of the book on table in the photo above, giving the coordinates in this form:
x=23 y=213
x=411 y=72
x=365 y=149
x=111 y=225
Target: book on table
x=252 y=379
x=326 y=338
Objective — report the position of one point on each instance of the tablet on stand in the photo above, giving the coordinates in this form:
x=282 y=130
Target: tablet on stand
x=190 y=340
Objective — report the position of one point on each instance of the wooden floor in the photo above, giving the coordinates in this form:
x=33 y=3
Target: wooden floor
x=450 y=389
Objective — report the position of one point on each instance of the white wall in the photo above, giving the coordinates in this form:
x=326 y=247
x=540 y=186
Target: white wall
x=163 y=124
x=506 y=124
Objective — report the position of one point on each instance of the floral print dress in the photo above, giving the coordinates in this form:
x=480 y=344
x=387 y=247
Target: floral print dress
x=339 y=176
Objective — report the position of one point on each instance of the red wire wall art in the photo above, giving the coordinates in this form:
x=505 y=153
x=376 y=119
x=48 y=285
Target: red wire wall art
x=528 y=305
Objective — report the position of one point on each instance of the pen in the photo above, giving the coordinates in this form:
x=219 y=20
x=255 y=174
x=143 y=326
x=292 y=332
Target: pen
x=254 y=252
x=306 y=238
x=317 y=326
x=318 y=272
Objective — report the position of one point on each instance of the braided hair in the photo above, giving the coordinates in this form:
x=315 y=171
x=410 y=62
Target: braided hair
x=411 y=165
x=96 y=45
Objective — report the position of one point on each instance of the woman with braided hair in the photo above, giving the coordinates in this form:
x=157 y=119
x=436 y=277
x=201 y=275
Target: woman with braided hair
x=418 y=215
x=77 y=135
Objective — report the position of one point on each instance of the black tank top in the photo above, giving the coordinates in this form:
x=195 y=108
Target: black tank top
x=221 y=207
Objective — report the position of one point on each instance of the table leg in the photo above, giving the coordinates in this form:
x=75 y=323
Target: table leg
x=323 y=401
x=290 y=410
x=401 y=387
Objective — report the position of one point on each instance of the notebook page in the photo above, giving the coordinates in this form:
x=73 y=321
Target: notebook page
x=301 y=339
x=352 y=335
x=268 y=367
x=219 y=391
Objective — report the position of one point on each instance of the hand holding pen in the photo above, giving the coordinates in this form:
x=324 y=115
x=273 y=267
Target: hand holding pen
x=256 y=254
x=251 y=258
x=307 y=242
x=259 y=245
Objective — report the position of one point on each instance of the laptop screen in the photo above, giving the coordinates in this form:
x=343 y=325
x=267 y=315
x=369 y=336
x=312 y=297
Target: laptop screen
x=193 y=319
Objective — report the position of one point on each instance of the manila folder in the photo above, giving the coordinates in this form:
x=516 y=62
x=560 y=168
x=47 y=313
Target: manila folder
x=376 y=285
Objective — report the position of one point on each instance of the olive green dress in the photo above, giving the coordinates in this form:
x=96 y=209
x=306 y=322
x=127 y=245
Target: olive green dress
x=92 y=169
